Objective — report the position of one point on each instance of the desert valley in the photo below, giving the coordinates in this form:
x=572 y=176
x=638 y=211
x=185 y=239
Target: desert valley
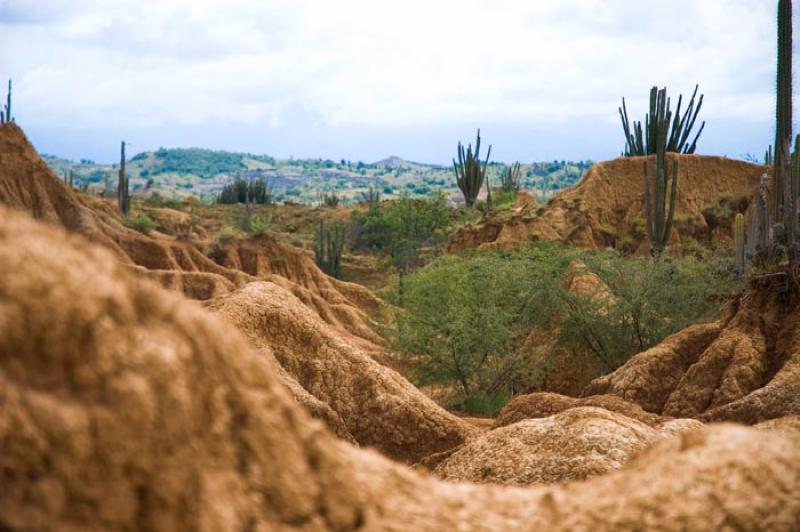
x=238 y=342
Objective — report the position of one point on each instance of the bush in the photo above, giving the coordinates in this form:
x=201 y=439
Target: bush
x=225 y=235
x=142 y=223
x=466 y=319
x=650 y=299
x=247 y=221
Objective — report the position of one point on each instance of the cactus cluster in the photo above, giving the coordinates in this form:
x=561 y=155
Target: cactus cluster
x=68 y=178
x=123 y=191
x=645 y=140
x=373 y=197
x=775 y=224
x=5 y=111
x=511 y=178
x=328 y=248
x=244 y=191
x=331 y=199
x=659 y=206
x=470 y=173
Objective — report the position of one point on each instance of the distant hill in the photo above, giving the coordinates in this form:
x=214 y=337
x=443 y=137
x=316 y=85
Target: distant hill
x=182 y=172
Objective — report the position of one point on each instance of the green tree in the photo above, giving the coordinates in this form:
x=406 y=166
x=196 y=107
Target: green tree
x=400 y=228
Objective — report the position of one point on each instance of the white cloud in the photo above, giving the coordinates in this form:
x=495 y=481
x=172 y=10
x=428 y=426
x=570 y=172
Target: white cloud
x=379 y=63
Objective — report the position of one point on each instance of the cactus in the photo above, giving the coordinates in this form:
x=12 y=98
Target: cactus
x=645 y=141
x=5 y=111
x=783 y=112
x=738 y=241
x=658 y=213
x=123 y=192
x=330 y=200
x=510 y=179
x=768 y=158
x=470 y=174
x=762 y=222
x=328 y=247
x=792 y=202
x=373 y=197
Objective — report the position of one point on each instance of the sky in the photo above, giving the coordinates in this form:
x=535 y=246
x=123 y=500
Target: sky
x=363 y=80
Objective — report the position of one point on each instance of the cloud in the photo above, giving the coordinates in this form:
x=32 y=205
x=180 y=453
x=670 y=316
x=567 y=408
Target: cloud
x=418 y=63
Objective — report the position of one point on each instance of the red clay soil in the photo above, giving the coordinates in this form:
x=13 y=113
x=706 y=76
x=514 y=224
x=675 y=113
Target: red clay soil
x=745 y=368
x=605 y=208
x=128 y=407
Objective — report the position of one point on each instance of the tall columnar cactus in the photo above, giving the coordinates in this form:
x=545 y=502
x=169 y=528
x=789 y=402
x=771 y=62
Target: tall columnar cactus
x=644 y=141
x=470 y=173
x=328 y=248
x=768 y=158
x=783 y=113
x=659 y=207
x=738 y=242
x=762 y=221
x=123 y=192
x=792 y=202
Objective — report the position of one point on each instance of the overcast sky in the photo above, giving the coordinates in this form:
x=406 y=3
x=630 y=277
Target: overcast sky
x=362 y=80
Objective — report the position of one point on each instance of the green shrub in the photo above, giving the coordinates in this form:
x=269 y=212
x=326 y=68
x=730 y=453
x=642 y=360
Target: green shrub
x=142 y=223
x=225 y=235
x=465 y=319
x=251 y=223
x=483 y=405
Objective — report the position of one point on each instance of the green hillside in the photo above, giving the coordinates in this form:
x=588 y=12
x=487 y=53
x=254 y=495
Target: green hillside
x=182 y=172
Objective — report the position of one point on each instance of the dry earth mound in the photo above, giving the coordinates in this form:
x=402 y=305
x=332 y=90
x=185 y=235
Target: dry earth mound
x=128 y=407
x=28 y=184
x=745 y=368
x=573 y=445
x=338 y=302
x=378 y=406
x=544 y=404
x=605 y=208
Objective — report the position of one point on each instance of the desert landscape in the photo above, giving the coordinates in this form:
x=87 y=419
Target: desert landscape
x=198 y=339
